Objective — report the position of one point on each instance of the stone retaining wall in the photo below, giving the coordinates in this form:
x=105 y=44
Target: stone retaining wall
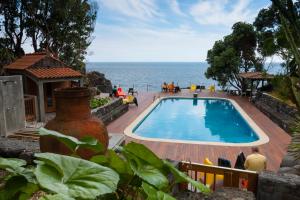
x=279 y=112
x=110 y=112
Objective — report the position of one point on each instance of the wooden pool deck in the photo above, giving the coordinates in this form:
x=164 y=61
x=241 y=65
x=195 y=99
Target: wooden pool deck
x=274 y=150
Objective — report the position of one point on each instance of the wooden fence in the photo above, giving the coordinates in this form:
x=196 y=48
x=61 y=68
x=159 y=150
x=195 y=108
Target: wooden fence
x=216 y=176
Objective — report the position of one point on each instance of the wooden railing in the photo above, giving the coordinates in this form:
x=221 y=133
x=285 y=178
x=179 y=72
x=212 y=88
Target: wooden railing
x=30 y=107
x=218 y=176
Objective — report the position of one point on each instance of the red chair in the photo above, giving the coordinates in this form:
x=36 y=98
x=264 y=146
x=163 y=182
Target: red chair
x=120 y=93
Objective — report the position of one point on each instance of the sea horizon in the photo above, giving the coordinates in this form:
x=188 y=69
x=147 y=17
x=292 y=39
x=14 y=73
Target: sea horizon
x=149 y=76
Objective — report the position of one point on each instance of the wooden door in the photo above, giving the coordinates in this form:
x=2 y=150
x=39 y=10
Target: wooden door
x=49 y=97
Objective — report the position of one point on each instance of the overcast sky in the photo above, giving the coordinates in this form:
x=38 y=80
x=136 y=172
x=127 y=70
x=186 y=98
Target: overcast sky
x=165 y=30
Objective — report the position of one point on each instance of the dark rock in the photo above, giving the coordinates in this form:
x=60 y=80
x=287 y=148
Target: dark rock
x=98 y=80
x=220 y=194
x=190 y=196
x=94 y=91
x=289 y=161
x=231 y=194
x=28 y=156
x=287 y=170
x=290 y=170
x=297 y=168
x=272 y=186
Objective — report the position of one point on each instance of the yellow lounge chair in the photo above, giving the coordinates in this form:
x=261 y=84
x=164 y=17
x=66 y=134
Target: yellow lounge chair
x=210 y=177
x=212 y=88
x=129 y=100
x=193 y=88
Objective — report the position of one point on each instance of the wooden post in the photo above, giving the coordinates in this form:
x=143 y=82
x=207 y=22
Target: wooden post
x=251 y=88
x=41 y=101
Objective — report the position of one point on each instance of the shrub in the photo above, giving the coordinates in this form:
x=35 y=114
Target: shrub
x=133 y=173
x=282 y=88
x=95 y=103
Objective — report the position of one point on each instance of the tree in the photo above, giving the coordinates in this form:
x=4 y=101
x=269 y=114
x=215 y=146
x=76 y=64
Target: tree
x=63 y=28
x=289 y=14
x=6 y=54
x=233 y=55
x=289 y=19
x=12 y=24
x=271 y=37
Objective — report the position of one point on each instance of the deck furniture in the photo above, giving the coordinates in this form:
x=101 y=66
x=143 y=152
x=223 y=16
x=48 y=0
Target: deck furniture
x=232 y=177
x=132 y=91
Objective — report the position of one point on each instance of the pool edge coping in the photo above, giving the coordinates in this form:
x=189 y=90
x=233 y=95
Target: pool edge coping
x=263 y=138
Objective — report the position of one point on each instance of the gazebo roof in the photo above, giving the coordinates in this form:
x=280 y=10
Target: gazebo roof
x=54 y=73
x=37 y=66
x=256 y=76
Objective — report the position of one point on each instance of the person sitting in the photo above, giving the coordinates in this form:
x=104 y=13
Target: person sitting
x=171 y=87
x=164 y=87
x=255 y=161
x=177 y=89
x=114 y=91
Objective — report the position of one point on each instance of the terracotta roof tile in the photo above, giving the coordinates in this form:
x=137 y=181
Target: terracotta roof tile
x=26 y=61
x=53 y=72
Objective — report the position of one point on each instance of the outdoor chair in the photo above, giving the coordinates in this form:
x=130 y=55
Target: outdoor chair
x=132 y=91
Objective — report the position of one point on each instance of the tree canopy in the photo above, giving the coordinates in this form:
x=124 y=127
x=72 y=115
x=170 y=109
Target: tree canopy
x=63 y=28
x=271 y=36
x=233 y=55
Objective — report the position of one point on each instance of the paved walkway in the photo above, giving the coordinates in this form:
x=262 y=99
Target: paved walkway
x=274 y=150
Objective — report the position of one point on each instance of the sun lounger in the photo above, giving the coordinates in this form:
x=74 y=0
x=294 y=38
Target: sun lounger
x=193 y=88
x=130 y=99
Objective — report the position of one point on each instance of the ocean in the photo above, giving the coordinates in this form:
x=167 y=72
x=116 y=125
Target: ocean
x=149 y=76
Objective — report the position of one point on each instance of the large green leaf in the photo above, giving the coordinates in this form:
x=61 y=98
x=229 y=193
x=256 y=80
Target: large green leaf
x=56 y=197
x=73 y=143
x=15 y=167
x=11 y=163
x=142 y=152
x=17 y=187
x=74 y=177
x=153 y=194
x=147 y=172
x=12 y=187
x=182 y=177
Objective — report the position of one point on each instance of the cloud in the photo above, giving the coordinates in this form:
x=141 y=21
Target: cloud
x=175 y=8
x=222 y=12
x=139 y=9
x=124 y=43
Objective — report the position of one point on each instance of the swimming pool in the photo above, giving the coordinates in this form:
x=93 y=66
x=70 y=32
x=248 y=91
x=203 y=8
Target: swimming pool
x=197 y=120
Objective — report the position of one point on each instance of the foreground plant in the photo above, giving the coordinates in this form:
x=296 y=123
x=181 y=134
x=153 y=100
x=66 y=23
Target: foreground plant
x=135 y=172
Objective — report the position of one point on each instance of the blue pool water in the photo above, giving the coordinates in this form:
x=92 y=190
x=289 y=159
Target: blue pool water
x=211 y=120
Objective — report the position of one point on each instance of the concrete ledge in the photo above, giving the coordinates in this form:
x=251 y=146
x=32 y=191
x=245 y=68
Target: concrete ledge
x=110 y=112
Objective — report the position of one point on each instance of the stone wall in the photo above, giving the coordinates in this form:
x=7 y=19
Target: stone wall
x=110 y=111
x=272 y=186
x=279 y=112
